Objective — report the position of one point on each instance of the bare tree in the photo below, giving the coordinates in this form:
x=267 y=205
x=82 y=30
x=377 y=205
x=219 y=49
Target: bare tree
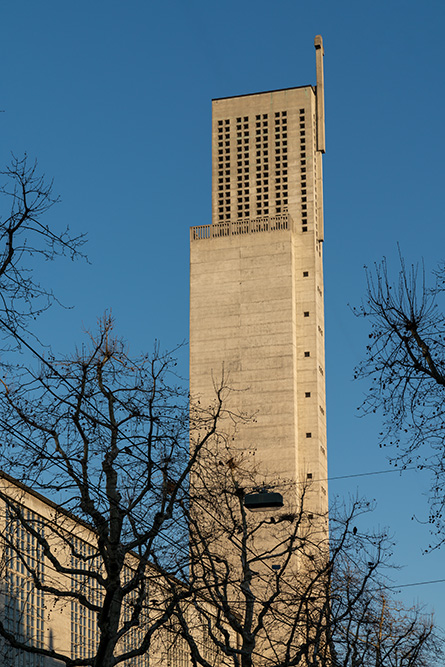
x=149 y=533
x=380 y=632
x=367 y=625
x=26 y=197
x=273 y=588
x=405 y=364
x=107 y=438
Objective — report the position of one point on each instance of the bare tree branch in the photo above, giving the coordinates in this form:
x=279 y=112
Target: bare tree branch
x=107 y=438
x=27 y=197
x=273 y=589
x=405 y=365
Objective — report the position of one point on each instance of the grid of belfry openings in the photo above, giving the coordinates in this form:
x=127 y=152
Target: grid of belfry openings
x=303 y=172
x=262 y=186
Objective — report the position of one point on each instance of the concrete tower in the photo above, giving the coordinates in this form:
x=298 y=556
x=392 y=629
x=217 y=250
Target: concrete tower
x=256 y=307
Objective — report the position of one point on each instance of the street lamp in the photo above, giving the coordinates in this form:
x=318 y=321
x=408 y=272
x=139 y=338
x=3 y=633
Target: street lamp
x=261 y=501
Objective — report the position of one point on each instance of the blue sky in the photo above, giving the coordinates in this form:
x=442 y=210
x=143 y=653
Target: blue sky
x=114 y=98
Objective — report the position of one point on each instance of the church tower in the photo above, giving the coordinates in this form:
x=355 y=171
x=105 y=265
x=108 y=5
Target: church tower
x=256 y=306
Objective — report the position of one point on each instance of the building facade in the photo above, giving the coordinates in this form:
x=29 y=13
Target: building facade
x=50 y=617
x=256 y=305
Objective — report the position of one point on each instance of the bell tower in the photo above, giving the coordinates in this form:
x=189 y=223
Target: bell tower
x=256 y=305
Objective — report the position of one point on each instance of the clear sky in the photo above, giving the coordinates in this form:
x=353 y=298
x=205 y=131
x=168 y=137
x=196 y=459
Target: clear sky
x=113 y=98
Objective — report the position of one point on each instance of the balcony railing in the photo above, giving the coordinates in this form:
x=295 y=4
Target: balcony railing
x=243 y=226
